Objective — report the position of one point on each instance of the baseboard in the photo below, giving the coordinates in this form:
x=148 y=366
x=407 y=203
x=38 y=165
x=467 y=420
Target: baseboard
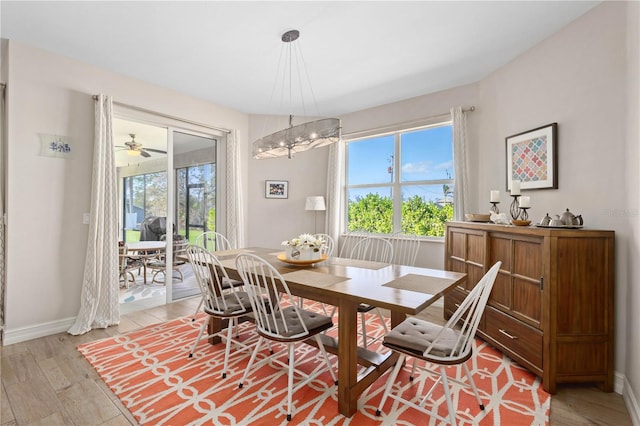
x=36 y=331
x=631 y=402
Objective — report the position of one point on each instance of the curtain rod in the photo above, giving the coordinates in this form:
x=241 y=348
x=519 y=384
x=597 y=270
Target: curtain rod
x=403 y=125
x=172 y=117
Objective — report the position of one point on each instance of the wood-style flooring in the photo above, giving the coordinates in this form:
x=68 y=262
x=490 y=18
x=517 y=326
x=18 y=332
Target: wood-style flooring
x=47 y=382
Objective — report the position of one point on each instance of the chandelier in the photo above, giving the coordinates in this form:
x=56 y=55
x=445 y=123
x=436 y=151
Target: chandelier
x=301 y=137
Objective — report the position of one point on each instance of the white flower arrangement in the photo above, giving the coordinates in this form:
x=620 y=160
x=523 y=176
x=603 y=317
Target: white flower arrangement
x=305 y=240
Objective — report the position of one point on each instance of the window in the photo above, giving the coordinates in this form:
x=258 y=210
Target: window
x=401 y=182
x=196 y=194
x=144 y=195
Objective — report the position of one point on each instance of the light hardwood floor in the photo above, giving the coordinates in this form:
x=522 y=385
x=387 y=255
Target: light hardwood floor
x=47 y=382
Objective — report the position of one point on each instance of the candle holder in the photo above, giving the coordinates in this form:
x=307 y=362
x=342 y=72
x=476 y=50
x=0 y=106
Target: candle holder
x=494 y=207
x=523 y=213
x=515 y=207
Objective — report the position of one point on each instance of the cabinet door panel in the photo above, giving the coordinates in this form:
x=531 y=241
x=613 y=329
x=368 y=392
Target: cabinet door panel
x=475 y=249
x=527 y=258
x=582 y=286
x=457 y=244
x=500 y=250
x=501 y=292
x=527 y=300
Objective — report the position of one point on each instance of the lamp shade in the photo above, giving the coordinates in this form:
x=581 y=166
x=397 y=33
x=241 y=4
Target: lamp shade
x=315 y=202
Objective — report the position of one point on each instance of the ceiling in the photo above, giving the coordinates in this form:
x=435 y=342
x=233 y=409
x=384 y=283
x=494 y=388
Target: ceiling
x=357 y=54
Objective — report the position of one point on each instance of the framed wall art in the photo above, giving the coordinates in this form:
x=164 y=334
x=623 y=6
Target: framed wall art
x=54 y=146
x=276 y=189
x=532 y=158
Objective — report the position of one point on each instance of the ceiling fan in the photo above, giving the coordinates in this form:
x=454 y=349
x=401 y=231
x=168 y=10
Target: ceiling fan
x=134 y=148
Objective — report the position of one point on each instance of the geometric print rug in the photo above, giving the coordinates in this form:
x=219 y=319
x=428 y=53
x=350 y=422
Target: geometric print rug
x=150 y=372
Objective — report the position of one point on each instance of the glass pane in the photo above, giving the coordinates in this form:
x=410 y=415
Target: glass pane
x=427 y=154
x=371 y=160
x=426 y=208
x=370 y=210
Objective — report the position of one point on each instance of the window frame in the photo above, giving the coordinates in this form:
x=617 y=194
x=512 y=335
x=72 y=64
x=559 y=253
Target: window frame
x=396 y=185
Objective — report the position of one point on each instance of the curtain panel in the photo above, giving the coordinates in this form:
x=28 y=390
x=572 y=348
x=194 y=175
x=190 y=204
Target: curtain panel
x=460 y=165
x=234 y=198
x=99 y=304
x=335 y=177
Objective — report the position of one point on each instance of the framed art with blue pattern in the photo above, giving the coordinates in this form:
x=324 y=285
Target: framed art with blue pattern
x=532 y=158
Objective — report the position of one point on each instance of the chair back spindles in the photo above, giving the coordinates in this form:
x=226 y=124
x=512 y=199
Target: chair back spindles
x=268 y=291
x=405 y=249
x=213 y=241
x=374 y=249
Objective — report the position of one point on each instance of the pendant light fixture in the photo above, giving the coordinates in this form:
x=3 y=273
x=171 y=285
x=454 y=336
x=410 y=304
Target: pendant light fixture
x=301 y=137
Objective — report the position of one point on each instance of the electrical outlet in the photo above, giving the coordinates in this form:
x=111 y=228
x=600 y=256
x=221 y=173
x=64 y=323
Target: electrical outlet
x=85 y=218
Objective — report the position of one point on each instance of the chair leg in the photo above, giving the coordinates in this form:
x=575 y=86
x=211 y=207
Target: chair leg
x=195 y=314
x=473 y=385
x=227 y=348
x=292 y=363
x=195 y=344
x=390 y=381
x=384 y=323
x=413 y=370
x=447 y=395
x=251 y=360
x=326 y=359
x=364 y=329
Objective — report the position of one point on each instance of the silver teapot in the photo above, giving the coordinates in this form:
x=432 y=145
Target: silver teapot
x=569 y=219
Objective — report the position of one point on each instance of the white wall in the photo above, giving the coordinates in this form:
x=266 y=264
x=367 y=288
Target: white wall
x=577 y=79
x=46 y=197
x=275 y=220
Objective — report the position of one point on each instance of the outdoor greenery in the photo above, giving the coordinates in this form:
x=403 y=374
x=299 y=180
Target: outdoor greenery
x=374 y=213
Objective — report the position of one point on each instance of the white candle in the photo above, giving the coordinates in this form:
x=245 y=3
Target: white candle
x=495 y=196
x=525 y=201
x=515 y=187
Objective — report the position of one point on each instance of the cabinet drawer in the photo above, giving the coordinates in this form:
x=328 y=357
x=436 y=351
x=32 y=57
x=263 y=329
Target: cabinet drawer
x=514 y=335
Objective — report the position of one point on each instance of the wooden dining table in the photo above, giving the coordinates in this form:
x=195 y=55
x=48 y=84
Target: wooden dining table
x=345 y=283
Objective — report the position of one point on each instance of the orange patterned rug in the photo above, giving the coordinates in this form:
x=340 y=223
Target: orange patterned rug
x=150 y=372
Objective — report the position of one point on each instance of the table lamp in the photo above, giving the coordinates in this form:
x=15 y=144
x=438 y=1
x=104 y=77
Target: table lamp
x=315 y=203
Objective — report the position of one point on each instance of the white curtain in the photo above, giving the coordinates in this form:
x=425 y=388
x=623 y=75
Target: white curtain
x=334 y=197
x=99 y=305
x=235 y=209
x=460 y=165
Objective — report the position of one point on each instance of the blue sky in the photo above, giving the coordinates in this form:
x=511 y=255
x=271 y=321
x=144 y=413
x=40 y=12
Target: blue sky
x=426 y=154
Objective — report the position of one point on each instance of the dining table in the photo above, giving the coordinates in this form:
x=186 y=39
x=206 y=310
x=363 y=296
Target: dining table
x=345 y=283
x=146 y=251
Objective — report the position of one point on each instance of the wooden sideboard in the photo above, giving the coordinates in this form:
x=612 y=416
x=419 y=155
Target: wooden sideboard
x=552 y=305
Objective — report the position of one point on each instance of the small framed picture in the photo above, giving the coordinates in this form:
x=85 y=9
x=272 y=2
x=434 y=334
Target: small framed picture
x=276 y=189
x=532 y=158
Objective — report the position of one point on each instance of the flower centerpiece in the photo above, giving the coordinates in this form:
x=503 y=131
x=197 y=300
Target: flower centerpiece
x=304 y=247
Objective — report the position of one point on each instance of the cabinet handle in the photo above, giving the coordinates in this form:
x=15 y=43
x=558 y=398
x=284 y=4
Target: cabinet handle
x=507 y=334
x=541 y=283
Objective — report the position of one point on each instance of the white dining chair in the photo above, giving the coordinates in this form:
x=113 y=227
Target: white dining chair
x=279 y=319
x=214 y=241
x=220 y=301
x=451 y=344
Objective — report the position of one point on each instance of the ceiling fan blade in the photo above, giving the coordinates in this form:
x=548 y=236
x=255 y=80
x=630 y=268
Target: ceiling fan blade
x=144 y=153
x=159 y=151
